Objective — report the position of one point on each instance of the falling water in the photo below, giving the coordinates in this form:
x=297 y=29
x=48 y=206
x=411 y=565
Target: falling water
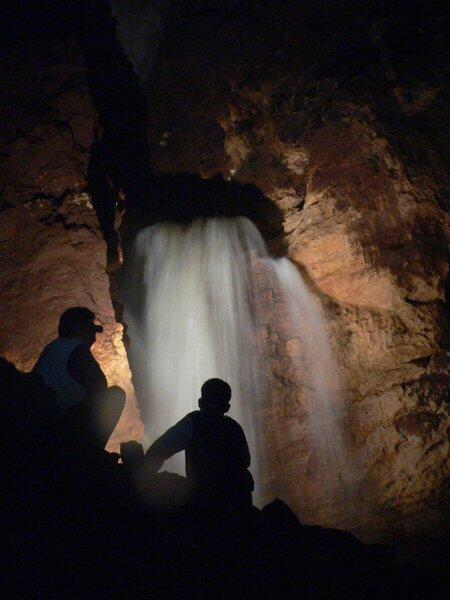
x=316 y=373
x=195 y=299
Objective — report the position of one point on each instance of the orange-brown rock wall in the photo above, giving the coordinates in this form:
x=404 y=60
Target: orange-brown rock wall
x=342 y=124
x=340 y=118
x=52 y=251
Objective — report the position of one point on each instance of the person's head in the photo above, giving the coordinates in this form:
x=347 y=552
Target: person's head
x=216 y=396
x=78 y=321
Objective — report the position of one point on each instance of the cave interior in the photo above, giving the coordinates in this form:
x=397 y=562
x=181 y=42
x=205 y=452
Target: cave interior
x=325 y=124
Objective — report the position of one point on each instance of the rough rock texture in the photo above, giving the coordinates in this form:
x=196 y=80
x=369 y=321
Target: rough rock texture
x=47 y=125
x=338 y=114
x=52 y=251
x=340 y=119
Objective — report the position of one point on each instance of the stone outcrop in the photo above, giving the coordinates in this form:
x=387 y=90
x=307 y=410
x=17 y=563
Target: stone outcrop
x=52 y=251
x=340 y=121
x=47 y=129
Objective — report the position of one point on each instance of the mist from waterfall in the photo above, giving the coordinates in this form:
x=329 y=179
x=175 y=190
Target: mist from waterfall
x=195 y=303
x=327 y=427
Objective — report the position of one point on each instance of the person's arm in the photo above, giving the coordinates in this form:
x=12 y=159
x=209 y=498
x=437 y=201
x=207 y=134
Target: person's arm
x=241 y=447
x=245 y=451
x=84 y=369
x=174 y=440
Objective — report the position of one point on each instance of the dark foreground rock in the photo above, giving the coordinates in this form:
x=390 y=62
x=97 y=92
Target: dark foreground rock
x=76 y=523
x=336 y=113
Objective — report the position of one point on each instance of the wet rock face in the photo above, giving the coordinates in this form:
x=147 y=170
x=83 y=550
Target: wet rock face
x=340 y=121
x=52 y=251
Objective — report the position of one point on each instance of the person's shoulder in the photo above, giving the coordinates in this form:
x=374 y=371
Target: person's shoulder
x=188 y=421
x=67 y=344
x=232 y=423
x=189 y=418
x=230 y=419
x=81 y=354
x=54 y=343
x=55 y=346
x=192 y=415
x=80 y=345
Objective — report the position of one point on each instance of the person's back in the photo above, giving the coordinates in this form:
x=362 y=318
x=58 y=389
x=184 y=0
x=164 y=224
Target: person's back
x=52 y=366
x=217 y=455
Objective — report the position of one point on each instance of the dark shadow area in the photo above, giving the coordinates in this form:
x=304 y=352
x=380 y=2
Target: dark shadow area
x=119 y=160
x=185 y=196
x=119 y=102
x=75 y=521
x=104 y=195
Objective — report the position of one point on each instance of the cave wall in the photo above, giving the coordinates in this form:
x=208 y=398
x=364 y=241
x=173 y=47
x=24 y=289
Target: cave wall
x=338 y=114
x=53 y=253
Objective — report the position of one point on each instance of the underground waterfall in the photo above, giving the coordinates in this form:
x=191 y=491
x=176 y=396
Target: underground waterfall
x=206 y=300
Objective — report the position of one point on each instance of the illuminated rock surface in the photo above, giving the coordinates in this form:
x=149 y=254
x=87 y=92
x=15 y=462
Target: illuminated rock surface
x=52 y=250
x=348 y=138
x=341 y=123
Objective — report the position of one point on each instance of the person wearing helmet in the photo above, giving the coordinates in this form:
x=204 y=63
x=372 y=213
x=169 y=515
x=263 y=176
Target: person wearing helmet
x=68 y=367
x=217 y=454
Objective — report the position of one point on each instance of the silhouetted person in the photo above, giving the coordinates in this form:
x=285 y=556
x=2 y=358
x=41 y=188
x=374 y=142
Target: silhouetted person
x=28 y=409
x=132 y=453
x=68 y=367
x=217 y=455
